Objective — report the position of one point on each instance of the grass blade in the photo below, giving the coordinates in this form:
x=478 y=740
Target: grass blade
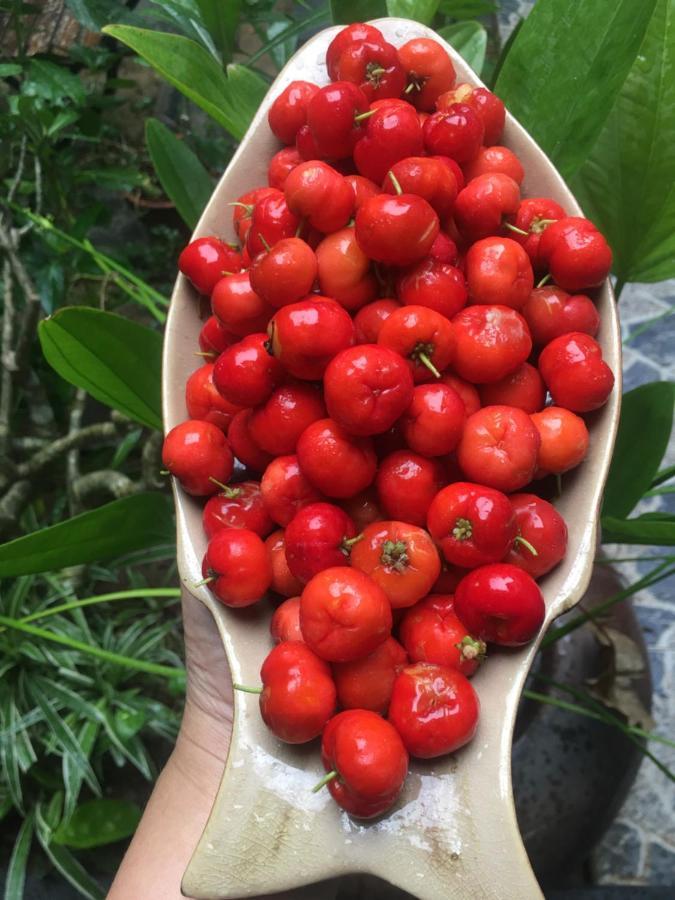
x=16 y=871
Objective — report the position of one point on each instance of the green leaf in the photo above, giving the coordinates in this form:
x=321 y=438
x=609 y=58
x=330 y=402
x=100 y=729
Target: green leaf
x=627 y=185
x=142 y=520
x=114 y=359
x=53 y=83
x=467 y=9
x=184 y=179
x=65 y=863
x=288 y=34
x=221 y=20
x=9 y=759
x=346 y=11
x=94 y=14
x=419 y=10
x=9 y=69
x=98 y=822
x=16 y=871
x=566 y=67
x=642 y=440
x=645 y=529
x=193 y=71
x=470 y=40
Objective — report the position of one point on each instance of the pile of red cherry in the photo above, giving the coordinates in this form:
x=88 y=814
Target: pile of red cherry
x=379 y=361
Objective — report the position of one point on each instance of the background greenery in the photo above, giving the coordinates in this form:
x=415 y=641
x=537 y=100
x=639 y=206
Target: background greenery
x=98 y=198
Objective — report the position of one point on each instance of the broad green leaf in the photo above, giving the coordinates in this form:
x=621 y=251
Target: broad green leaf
x=9 y=69
x=98 y=822
x=94 y=14
x=419 y=10
x=647 y=529
x=467 y=9
x=52 y=83
x=470 y=40
x=288 y=34
x=346 y=11
x=221 y=20
x=627 y=185
x=183 y=177
x=16 y=871
x=114 y=359
x=193 y=71
x=644 y=431
x=142 y=520
x=565 y=69
x=248 y=87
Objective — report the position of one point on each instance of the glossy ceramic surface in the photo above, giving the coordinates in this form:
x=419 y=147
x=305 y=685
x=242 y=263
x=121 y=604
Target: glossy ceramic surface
x=453 y=833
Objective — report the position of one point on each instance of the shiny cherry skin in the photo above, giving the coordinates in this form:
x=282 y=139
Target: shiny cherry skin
x=486 y=104
x=237 y=506
x=213 y=338
x=433 y=423
x=283 y=580
x=374 y=66
x=490 y=343
x=363 y=189
x=396 y=230
x=367 y=683
x=243 y=446
x=281 y=165
x=237 y=306
x=306 y=336
x=243 y=206
x=564 y=440
x=432 y=633
x=285 y=622
x=406 y=485
x=344 y=270
x=434 y=708
x=430 y=71
x=533 y=215
x=577 y=256
x=551 y=312
x=271 y=221
x=472 y=524
x=483 y=204
x=544 y=528
x=444 y=249
x=285 y=273
x=523 y=388
x=370 y=760
x=363 y=508
x=369 y=319
x=285 y=490
x=500 y=604
x=318 y=537
x=400 y=558
x=298 y=696
x=434 y=284
x=575 y=373
x=247 y=373
x=278 y=423
x=392 y=133
x=468 y=392
x=427 y=177
x=499 y=448
x=422 y=336
x=332 y=119
x=205 y=261
x=344 y=614
x=358 y=31
x=498 y=270
x=198 y=455
x=203 y=400
x=239 y=567
x=495 y=159
x=456 y=132
x=338 y=464
x=321 y=195
x=367 y=388
x=288 y=113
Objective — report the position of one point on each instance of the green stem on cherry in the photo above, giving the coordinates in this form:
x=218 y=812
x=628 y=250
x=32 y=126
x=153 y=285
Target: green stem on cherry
x=544 y=280
x=204 y=581
x=329 y=776
x=225 y=488
x=301 y=225
x=424 y=359
x=365 y=115
x=394 y=180
x=395 y=555
x=463 y=530
x=521 y=540
x=247 y=206
x=164 y=472
x=348 y=543
x=470 y=648
x=516 y=229
x=264 y=242
x=247 y=689
x=413 y=86
x=205 y=353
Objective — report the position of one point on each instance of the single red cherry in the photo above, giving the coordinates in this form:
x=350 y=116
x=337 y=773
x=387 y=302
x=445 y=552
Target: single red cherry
x=434 y=708
x=283 y=580
x=433 y=423
x=242 y=209
x=406 y=484
x=271 y=221
x=495 y=159
x=542 y=527
x=575 y=253
x=373 y=66
x=246 y=373
x=332 y=119
x=363 y=189
x=337 y=464
x=551 y=312
x=318 y=193
x=367 y=683
x=198 y=455
x=344 y=270
x=238 y=308
x=490 y=343
x=281 y=165
x=468 y=392
x=237 y=567
x=319 y=536
x=298 y=695
x=564 y=439
x=285 y=622
x=430 y=71
x=422 y=336
x=437 y=285
x=498 y=270
x=431 y=632
x=369 y=319
x=243 y=446
x=456 y=132
x=488 y=106
x=500 y=604
x=444 y=249
x=533 y=216
x=205 y=261
x=203 y=401
x=237 y=506
x=428 y=177
x=285 y=490
x=285 y=273
x=523 y=388
x=358 y=31
x=362 y=508
x=288 y=113
x=499 y=448
x=393 y=132
x=396 y=230
x=306 y=336
x=482 y=206
x=575 y=372
x=213 y=338
x=278 y=423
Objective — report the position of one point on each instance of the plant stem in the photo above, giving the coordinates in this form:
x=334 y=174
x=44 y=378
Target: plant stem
x=247 y=689
x=521 y=540
x=329 y=776
x=174 y=593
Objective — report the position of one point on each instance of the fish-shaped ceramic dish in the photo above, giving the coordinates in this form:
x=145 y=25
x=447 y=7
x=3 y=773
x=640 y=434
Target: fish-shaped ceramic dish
x=453 y=834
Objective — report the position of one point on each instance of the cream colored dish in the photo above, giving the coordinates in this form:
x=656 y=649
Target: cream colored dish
x=453 y=834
